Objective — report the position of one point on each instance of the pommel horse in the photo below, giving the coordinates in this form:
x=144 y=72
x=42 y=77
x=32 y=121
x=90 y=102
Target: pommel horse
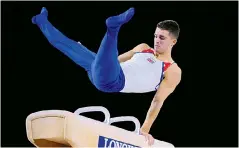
x=60 y=128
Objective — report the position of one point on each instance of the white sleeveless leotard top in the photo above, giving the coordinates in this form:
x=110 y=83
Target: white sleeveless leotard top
x=143 y=72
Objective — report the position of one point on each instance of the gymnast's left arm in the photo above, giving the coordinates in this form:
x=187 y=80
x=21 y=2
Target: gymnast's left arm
x=171 y=80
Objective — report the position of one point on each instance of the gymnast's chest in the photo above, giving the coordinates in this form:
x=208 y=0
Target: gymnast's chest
x=146 y=61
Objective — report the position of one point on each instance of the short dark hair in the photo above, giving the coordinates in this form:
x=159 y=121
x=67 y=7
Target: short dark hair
x=171 y=26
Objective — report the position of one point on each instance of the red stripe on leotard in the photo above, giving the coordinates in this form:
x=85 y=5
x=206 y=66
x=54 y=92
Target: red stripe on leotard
x=166 y=66
x=148 y=51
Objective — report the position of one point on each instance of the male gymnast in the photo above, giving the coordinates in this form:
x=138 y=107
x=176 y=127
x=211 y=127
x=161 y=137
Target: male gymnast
x=140 y=70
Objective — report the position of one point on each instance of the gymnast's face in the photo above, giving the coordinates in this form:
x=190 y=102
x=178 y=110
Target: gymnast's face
x=163 y=41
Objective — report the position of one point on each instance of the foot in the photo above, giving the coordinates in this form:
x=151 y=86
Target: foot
x=119 y=20
x=43 y=15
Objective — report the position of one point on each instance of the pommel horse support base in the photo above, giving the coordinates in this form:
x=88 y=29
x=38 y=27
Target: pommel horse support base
x=59 y=128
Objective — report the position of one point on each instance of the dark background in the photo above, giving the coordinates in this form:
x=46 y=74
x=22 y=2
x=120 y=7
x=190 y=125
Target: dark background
x=203 y=110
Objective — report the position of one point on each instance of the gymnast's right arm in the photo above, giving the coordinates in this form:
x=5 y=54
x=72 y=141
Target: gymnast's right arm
x=129 y=54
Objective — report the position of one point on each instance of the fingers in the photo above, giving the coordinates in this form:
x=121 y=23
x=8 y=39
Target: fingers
x=149 y=139
x=146 y=138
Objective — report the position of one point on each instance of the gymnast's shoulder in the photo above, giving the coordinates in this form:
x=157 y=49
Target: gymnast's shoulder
x=129 y=54
x=173 y=74
x=140 y=47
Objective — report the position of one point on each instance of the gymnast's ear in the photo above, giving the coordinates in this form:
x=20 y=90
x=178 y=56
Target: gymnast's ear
x=174 y=42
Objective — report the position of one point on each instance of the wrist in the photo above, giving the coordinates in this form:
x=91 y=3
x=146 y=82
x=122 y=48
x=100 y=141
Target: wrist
x=143 y=130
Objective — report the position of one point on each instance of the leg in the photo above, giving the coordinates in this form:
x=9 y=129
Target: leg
x=106 y=71
x=75 y=51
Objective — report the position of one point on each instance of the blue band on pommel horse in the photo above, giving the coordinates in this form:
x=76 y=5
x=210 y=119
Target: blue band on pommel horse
x=60 y=128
